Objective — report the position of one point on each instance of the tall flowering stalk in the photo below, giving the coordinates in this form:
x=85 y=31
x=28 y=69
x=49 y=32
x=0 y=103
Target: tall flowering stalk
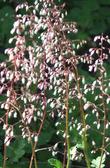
x=99 y=106
x=36 y=65
x=43 y=62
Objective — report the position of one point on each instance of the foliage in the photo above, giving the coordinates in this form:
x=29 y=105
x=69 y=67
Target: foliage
x=91 y=16
x=96 y=162
x=56 y=163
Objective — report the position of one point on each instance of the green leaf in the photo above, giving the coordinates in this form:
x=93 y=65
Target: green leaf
x=80 y=145
x=96 y=162
x=23 y=163
x=56 y=163
x=45 y=135
x=16 y=150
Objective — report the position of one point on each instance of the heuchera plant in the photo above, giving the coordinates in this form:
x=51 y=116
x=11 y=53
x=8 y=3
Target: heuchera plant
x=41 y=80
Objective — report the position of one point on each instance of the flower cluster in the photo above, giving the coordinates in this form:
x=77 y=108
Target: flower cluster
x=96 y=93
x=38 y=64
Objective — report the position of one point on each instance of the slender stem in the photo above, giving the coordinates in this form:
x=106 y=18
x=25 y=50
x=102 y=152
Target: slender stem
x=33 y=157
x=84 y=136
x=64 y=158
x=104 y=106
x=5 y=155
x=104 y=129
x=44 y=113
x=39 y=131
x=67 y=119
x=29 y=132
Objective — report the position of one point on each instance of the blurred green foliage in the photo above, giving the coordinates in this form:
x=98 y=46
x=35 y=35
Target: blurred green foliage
x=92 y=16
x=56 y=163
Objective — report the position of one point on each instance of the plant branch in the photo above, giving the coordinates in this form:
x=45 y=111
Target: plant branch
x=84 y=136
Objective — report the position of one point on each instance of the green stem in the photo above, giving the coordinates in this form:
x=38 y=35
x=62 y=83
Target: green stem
x=67 y=119
x=5 y=148
x=33 y=156
x=4 y=157
x=104 y=129
x=84 y=136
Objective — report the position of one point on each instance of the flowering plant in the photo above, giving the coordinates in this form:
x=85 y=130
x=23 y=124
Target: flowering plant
x=41 y=83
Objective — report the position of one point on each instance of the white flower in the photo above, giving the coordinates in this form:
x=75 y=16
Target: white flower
x=36 y=138
x=86 y=106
